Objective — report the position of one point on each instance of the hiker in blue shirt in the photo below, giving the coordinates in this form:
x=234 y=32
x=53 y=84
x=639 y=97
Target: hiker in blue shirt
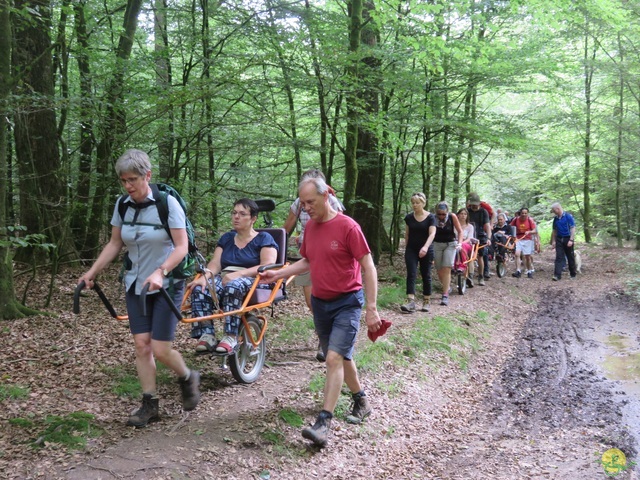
x=563 y=240
x=153 y=254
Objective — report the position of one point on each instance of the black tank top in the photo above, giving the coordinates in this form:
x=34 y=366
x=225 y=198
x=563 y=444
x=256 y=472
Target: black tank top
x=445 y=234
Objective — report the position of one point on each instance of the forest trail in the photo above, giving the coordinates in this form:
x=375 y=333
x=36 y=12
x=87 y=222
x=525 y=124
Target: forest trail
x=552 y=385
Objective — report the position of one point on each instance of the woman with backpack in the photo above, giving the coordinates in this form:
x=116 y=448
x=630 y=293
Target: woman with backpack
x=448 y=229
x=153 y=254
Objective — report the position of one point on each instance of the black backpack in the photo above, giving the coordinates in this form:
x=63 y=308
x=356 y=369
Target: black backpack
x=186 y=268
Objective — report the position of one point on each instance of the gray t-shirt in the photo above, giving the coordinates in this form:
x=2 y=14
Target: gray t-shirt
x=148 y=245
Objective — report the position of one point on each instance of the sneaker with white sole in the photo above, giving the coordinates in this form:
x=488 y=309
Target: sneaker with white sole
x=227 y=344
x=206 y=344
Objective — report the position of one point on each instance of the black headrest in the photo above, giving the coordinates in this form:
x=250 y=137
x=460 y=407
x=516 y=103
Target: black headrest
x=266 y=205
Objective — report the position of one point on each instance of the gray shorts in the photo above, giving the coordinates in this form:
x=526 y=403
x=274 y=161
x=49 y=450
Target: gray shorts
x=337 y=322
x=444 y=253
x=160 y=320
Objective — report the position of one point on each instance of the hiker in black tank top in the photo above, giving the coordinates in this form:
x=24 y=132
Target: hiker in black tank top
x=447 y=230
x=418 y=236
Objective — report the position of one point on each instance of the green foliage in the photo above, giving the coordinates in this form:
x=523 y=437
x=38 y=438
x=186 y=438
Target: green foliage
x=374 y=355
x=389 y=295
x=13 y=392
x=125 y=382
x=316 y=384
x=69 y=431
x=274 y=437
x=22 y=422
x=441 y=334
x=290 y=417
x=15 y=238
x=289 y=329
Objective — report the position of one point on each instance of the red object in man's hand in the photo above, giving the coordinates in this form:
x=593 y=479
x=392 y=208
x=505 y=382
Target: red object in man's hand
x=384 y=325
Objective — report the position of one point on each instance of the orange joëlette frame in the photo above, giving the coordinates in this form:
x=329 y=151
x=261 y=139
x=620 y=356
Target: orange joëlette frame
x=242 y=311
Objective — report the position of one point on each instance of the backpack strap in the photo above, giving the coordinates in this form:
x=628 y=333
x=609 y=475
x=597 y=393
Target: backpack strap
x=162 y=205
x=123 y=206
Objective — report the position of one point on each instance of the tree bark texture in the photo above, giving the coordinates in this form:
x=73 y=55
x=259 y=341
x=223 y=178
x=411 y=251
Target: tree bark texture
x=42 y=186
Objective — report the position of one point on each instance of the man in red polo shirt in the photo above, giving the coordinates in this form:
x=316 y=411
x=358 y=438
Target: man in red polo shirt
x=338 y=257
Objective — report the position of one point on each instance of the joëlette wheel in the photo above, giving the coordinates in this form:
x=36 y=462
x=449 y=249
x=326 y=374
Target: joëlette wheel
x=500 y=269
x=246 y=364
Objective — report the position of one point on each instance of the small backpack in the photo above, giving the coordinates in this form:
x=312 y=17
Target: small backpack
x=186 y=268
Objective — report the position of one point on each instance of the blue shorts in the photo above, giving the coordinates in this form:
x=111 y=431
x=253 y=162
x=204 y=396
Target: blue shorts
x=337 y=322
x=160 y=319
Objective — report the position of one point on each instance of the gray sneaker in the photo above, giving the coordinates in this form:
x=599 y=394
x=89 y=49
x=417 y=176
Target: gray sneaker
x=361 y=408
x=147 y=413
x=409 y=307
x=190 y=391
x=444 y=301
x=319 y=432
x=481 y=281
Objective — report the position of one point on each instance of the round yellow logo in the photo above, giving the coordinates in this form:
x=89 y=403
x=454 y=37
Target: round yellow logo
x=614 y=461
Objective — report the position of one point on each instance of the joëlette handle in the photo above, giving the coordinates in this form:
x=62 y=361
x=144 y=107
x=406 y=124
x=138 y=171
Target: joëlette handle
x=165 y=294
x=103 y=297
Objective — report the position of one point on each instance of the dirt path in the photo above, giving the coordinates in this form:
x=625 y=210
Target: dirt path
x=552 y=387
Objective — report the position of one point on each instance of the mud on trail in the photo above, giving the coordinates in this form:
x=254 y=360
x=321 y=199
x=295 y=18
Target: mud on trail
x=552 y=412
x=553 y=383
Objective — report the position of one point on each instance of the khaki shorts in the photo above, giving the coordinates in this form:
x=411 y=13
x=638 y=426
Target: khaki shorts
x=303 y=280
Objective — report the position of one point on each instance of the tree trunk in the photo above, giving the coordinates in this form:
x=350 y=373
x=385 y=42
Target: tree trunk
x=9 y=306
x=620 y=116
x=350 y=155
x=369 y=201
x=113 y=125
x=206 y=52
x=164 y=108
x=322 y=104
x=81 y=202
x=588 y=77
x=42 y=186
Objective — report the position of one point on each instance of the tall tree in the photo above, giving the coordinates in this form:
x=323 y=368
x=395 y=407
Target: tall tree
x=42 y=187
x=369 y=202
x=113 y=124
x=353 y=116
x=589 y=56
x=9 y=306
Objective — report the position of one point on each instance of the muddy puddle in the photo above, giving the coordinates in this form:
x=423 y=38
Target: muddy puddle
x=569 y=393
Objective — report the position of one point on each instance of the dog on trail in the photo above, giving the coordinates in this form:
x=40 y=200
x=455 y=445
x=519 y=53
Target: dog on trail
x=578 y=259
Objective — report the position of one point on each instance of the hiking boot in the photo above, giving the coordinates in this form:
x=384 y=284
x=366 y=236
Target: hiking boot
x=555 y=279
x=190 y=391
x=206 y=344
x=319 y=432
x=481 y=281
x=147 y=413
x=409 y=307
x=469 y=282
x=320 y=354
x=529 y=274
x=445 y=300
x=516 y=274
x=361 y=408
x=425 y=306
